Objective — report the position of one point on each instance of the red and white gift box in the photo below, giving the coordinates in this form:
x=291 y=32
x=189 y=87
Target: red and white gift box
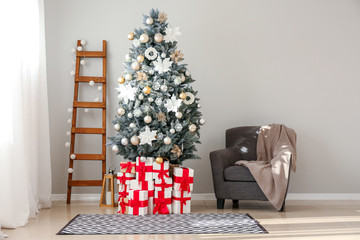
x=143 y=185
x=144 y=170
x=127 y=167
x=181 y=202
x=138 y=202
x=124 y=179
x=123 y=207
x=151 y=201
x=162 y=202
x=161 y=171
x=183 y=179
x=164 y=184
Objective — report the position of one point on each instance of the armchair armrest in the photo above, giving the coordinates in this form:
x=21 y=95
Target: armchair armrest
x=220 y=160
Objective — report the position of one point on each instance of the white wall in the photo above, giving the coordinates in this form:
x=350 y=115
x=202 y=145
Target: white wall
x=255 y=62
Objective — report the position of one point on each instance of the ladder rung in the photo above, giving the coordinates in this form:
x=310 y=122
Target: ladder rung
x=88 y=130
x=90 y=157
x=91 y=54
x=89 y=104
x=88 y=79
x=83 y=183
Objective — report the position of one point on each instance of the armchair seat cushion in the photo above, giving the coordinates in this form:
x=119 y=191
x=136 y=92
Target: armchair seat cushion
x=238 y=174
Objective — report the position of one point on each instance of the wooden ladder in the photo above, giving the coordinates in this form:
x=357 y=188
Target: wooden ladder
x=77 y=130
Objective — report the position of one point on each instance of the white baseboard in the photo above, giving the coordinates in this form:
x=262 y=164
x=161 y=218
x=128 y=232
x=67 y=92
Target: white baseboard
x=211 y=196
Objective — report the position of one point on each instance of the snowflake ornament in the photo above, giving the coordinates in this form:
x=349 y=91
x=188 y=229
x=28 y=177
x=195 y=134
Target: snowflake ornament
x=151 y=53
x=136 y=42
x=171 y=34
x=147 y=136
x=126 y=92
x=137 y=112
x=162 y=65
x=173 y=104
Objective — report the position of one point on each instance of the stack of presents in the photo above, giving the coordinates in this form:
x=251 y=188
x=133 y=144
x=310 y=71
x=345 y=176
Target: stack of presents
x=146 y=187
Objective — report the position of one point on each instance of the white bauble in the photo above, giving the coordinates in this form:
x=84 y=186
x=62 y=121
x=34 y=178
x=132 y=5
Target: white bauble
x=202 y=121
x=178 y=115
x=164 y=88
x=142 y=159
x=144 y=38
x=192 y=128
x=99 y=88
x=70 y=170
x=141 y=97
x=147 y=119
x=117 y=127
x=132 y=125
x=172 y=131
x=82 y=62
x=91 y=83
x=177 y=80
x=167 y=140
x=130 y=115
x=135 y=140
x=86 y=110
x=79 y=48
x=151 y=72
x=127 y=57
x=68 y=133
x=120 y=111
x=70 y=110
x=72 y=73
x=199 y=106
x=187 y=73
x=67 y=144
x=128 y=77
x=124 y=141
x=115 y=148
x=73 y=50
x=158 y=37
x=149 y=21
x=135 y=66
x=163 y=55
x=72 y=156
x=96 y=99
x=150 y=99
x=69 y=120
x=83 y=42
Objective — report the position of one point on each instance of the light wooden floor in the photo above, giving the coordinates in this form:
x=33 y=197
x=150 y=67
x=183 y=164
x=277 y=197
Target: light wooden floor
x=301 y=220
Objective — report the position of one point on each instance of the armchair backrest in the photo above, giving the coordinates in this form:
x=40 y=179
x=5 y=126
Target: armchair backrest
x=243 y=140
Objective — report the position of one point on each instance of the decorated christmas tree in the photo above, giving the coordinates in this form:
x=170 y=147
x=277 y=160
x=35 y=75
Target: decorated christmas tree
x=158 y=113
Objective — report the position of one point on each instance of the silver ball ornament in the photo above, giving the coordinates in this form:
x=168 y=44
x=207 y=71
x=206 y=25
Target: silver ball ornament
x=130 y=115
x=132 y=125
x=124 y=141
x=163 y=55
x=141 y=97
x=167 y=140
x=115 y=148
x=120 y=111
x=147 y=119
x=202 y=121
x=117 y=127
x=149 y=21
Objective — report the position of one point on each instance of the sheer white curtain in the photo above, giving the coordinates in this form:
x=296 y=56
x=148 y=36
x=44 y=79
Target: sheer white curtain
x=25 y=173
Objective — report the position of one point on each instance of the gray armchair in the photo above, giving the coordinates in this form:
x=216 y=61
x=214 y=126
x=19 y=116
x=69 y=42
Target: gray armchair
x=236 y=182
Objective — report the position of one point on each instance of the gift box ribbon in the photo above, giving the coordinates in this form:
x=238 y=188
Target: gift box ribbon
x=123 y=206
x=161 y=203
x=162 y=173
x=123 y=194
x=135 y=203
x=163 y=185
x=122 y=179
x=182 y=201
x=184 y=181
x=142 y=169
x=127 y=166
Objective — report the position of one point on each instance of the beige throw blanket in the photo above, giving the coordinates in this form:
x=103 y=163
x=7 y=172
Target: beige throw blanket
x=276 y=145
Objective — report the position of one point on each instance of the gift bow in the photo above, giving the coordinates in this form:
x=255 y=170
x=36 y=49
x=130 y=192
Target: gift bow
x=142 y=169
x=182 y=200
x=122 y=179
x=123 y=206
x=162 y=172
x=161 y=206
x=123 y=194
x=184 y=181
x=163 y=185
x=126 y=166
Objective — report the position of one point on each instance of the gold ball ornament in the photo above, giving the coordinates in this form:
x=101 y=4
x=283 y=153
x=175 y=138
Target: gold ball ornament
x=159 y=160
x=135 y=140
x=192 y=128
x=121 y=80
x=144 y=38
x=158 y=37
x=131 y=36
x=182 y=95
x=140 y=58
x=147 y=90
x=135 y=66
